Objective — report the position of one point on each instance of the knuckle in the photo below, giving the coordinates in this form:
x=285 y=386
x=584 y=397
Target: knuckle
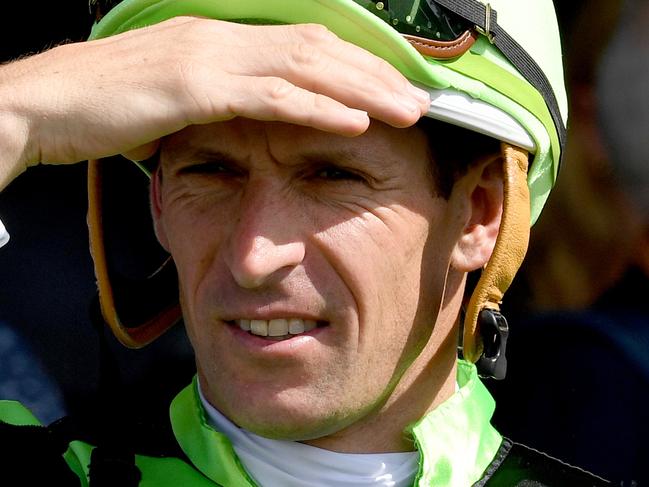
x=315 y=33
x=278 y=89
x=236 y=105
x=320 y=102
x=306 y=55
x=199 y=31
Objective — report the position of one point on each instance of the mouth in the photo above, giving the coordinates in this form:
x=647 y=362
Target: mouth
x=277 y=329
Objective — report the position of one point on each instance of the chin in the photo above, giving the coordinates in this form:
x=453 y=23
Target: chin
x=292 y=420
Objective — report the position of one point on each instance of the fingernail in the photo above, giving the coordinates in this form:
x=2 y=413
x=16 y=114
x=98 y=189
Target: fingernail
x=420 y=95
x=359 y=115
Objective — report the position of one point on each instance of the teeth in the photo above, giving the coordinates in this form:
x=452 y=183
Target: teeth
x=259 y=327
x=295 y=326
x=277 y=327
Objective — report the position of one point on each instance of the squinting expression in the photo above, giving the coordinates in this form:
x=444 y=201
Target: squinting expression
x=311 y=266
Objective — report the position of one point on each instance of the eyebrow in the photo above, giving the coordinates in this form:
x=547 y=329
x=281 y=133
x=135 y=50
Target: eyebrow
x=347 y=156
x=200 y=154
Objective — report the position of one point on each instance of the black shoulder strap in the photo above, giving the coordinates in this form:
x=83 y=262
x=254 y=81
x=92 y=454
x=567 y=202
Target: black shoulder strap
x=33 y=455
x=516 y=465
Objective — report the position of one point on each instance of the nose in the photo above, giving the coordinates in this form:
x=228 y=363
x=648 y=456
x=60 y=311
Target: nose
x=265 y=238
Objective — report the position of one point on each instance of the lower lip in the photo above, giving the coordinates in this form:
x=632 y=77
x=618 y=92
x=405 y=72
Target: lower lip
x=277 y=347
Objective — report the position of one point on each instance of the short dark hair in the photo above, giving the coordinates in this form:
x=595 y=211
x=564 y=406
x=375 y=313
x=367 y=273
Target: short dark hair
x=452 y=150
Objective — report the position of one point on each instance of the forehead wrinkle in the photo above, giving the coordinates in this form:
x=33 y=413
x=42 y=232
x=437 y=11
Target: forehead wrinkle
x=294 y=145
x=234 y=146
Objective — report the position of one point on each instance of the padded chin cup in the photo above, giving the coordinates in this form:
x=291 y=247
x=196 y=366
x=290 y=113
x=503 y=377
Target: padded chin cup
x=509 y=251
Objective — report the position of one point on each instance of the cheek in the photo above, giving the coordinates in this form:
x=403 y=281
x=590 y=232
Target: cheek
x=379 y=256
x=193 y=236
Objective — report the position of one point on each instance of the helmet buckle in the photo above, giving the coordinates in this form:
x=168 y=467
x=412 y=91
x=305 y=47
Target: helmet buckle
x=494 y=331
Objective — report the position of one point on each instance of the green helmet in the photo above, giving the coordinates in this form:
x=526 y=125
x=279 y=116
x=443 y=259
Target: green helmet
x=494 y=68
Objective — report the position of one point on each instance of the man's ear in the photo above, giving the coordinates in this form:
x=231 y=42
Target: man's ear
x=155 y=198
x=479 y=194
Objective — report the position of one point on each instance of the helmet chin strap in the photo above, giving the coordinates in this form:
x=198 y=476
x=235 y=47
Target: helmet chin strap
x=485 y=329
x=143 y=332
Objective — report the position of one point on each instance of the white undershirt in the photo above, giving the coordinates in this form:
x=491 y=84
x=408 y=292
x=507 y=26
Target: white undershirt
x=279 y=463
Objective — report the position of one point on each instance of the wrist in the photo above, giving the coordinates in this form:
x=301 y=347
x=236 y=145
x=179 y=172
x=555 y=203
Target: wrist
x=17 y=149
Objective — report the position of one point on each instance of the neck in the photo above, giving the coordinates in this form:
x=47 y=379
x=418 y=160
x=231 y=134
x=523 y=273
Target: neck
x=428 y=382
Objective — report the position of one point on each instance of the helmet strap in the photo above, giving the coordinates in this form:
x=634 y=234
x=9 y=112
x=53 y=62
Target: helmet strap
x=146 y=331
x=485 y=328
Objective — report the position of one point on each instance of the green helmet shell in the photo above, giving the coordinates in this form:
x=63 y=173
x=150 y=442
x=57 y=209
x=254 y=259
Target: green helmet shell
x=483 y=76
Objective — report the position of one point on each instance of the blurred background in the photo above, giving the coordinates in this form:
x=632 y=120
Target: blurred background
x=578 y=376
x=578 y=380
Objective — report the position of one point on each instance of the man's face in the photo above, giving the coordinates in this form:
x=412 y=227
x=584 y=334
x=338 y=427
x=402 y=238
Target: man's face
x=270 y=221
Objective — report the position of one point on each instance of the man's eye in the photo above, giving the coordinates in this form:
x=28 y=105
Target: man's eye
x=338 y=174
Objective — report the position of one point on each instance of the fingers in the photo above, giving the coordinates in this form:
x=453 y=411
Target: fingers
x=309 y=57
x=382 y=97
x=275 y=99
x=215 y=60
x=313 y=58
